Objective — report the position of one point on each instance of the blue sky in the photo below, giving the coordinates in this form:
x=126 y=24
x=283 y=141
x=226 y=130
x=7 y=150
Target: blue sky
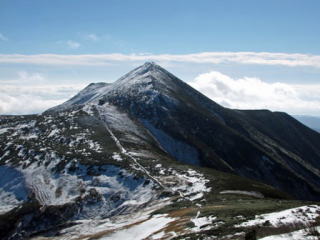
x=274 y=41
x=180 y=26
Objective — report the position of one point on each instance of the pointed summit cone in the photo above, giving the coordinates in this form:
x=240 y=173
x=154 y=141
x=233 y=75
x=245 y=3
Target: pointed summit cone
x=150 y=85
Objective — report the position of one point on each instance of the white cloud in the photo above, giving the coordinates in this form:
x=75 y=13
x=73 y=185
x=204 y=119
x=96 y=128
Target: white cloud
x=258 y=58
x=254 y=93
x=34 y=99
x=92 y=37
x=30 y=77
x=73 y=44
x=3 y=38
x=25 y=78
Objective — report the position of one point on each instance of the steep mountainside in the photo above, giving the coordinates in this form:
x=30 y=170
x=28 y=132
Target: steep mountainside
x=270 y=147
x=92 y=171
x=148 y=157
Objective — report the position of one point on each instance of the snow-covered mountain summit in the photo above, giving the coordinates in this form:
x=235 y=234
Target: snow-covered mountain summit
x=146 y=80
x=145 y=73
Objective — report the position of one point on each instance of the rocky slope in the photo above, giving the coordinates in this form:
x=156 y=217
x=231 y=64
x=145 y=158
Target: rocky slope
x=138 y=159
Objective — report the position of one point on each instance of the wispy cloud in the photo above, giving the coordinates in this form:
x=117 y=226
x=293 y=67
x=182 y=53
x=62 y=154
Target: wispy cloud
x=73 y=44
x=254 y=93
x=30 y=77
x=3 y=37
x=92 y=37
x=245 y=92
x=257 y=58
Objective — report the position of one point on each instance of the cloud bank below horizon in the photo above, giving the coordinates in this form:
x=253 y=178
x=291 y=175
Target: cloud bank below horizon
x=254 y=93
x=238 y=93
x=34 y=99
x=41 y=82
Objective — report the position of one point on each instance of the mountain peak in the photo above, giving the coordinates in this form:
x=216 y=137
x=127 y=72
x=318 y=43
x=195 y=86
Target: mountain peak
x=137 y=80
x=149 y=63
x=144 y=72
x=148 y=66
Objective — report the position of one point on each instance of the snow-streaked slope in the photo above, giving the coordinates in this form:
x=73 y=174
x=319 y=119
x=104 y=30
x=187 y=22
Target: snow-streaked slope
x=253 y=194
x=301 y=215
x=62 y=161
x=89 y=93
x=302 y=234
x=148 y=81
x=13 y=189
x=110 y=190
x=142 y=230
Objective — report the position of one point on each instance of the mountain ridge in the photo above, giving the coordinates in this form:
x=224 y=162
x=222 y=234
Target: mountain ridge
x=151 y=150
x=173 y=111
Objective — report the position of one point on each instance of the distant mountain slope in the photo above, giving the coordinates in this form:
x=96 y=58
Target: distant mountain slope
x=310 y=121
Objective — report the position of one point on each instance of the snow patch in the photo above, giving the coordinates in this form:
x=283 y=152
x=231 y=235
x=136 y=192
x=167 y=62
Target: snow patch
x=142 y=230
x=115 y=223
x=300 y=215
x=295 y=235
x=54 y=132
x=117 y=157
x=159 y=235
x=191 y=185
x=13 y=190
x=248 y=193
x=3 y=130
x=201 y=223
